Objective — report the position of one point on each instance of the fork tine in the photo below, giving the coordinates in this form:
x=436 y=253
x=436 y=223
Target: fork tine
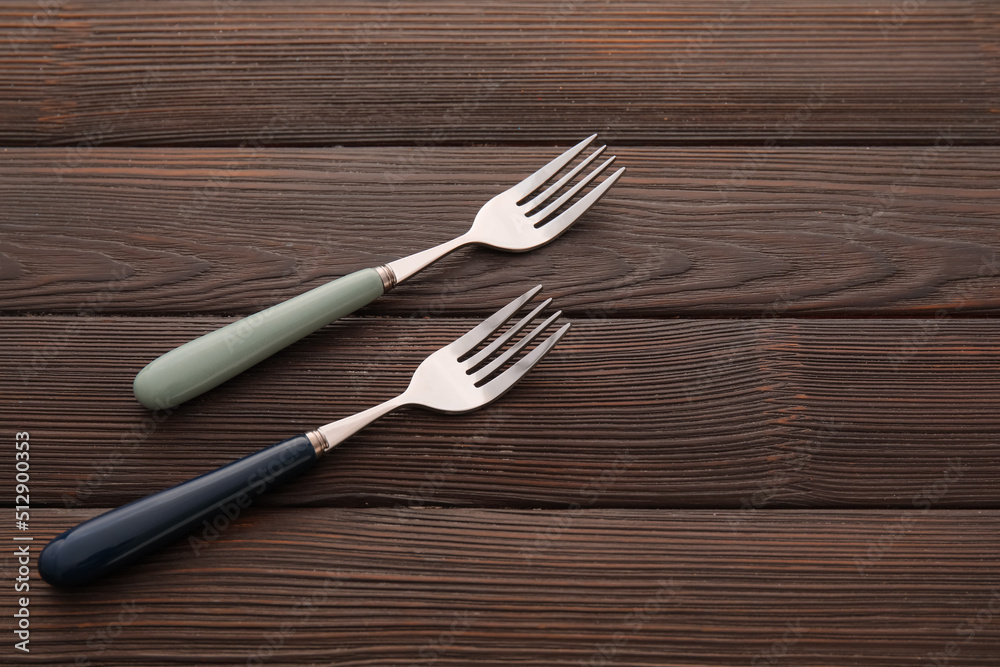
x=569 y=194
x=498 y=363
x=482 y=331
x=485 y=353
x=555 y=187
x=503 y=382
x=531 y=183
x=562 y=222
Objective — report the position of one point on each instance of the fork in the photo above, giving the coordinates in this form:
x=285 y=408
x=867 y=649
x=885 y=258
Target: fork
x=465 y=375
x=522 y=218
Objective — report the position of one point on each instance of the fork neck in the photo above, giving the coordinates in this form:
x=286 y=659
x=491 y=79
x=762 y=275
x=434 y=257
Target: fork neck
x=401 y=269
x=330 y=435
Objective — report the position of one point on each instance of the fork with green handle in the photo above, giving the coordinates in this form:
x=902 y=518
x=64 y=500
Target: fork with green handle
x=522 y=218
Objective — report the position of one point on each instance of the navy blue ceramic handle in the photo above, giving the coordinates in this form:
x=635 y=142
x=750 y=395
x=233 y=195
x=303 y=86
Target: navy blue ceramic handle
x=114 y=539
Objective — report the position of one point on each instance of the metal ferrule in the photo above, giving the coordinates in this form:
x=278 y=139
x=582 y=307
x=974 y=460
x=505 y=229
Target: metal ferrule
x=387 y=275
x=319 y=443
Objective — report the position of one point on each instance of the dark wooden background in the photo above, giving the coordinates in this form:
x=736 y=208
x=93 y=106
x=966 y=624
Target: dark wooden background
x=770 y=439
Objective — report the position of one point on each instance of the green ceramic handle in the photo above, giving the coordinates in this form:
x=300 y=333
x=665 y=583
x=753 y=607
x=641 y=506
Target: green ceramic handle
x=196 y=367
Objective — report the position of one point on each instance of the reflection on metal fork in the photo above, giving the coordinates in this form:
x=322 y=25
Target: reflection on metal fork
x=462 y=376
x=523 y=217
x=526 y=216
x=465 y=375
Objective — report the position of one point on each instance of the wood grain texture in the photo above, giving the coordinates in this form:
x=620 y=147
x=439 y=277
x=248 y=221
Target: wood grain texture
x=256 y=72
x=770 y=439
x=705 y=232
x=459 y=587
x=625 y=413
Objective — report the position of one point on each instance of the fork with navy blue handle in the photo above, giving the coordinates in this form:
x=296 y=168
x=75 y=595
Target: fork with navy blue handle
x=465 y=375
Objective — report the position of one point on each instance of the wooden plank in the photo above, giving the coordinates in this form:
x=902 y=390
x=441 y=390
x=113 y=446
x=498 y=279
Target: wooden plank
x=776 y=413
x=702 y=232
x=623 y=587
x=251 y=73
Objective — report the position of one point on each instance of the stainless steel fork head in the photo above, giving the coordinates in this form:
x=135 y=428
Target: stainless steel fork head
x=523 y=217
x=475 y=370
x=527 y=216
